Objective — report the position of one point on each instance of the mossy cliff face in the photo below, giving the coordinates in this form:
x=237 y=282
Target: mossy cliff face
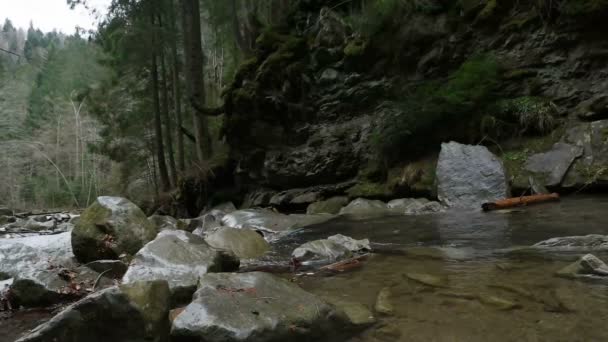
x=340 y=97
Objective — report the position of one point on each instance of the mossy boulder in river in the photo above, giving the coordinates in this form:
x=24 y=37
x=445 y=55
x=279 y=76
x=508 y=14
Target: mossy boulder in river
x=244 y=243
x=128 y=313
x=256 y=306
x=112 y=226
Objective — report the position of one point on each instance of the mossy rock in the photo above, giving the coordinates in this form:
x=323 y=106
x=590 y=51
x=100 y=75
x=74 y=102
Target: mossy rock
x=329 y=206
x=369 y=190
x=109 y=228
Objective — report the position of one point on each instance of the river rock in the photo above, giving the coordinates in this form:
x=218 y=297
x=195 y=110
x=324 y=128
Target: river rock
x=329 y=206
x=357 y=314
x=428 y=279
x=222 y=208
x=591 y=242
x=468 y=176
x=551 y=167
x=255 y=307
x=587 y=265
x=163 y=222
x=112 y=226
x=383 y=302
x=365 y=207
x=414 y=206
x=111 y=268
x=180 y=258
x=336 y=247
x=128 y=313
x=498 y=302
x=270 y=223
x=244 y=243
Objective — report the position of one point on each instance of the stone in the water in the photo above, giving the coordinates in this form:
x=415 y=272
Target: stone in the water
x=428 y=279
x=468 y=176
x=365 y=207
x=499 y=303
x=180 y=258
x=551 y=167
x=269 y=222
x=357 y=314
x=383 y=302
x=333 y=248
x=112 y=226
x=587 y=265
x=329 y=206
x=255 y=307
x=244 y=243
x=129 y=313
x=592 y=242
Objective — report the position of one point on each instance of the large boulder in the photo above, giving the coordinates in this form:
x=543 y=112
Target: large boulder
x=127 y=313
x=109 y=228
x=255 y=307
x=551 y=167
x=592 y=167
x=180 y=258
x=35 y=253
x=244 y=243
x=468 y=176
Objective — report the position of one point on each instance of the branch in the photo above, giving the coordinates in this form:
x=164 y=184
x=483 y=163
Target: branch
x=216 y=111
x=10 y=52
x=187 y=134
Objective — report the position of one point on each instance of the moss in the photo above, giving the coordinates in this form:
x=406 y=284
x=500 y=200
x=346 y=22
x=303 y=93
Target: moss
x=355 y=48
x=369 y=190
x=488 y=11
x=417 y=178
x=584 y=7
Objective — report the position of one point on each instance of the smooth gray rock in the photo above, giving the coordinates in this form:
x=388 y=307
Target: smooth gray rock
x=468 y=176
x=587 y=265
x=244 y=243
x=271 y=223
x=336 y=247
x=551 y=167
x=35 y=253
x=592 y=167
x=180 y=258
x=110 y=227
x=128 y=313
x=255 y=307
x=592 y=242
x=328 y=206
x=414 y=206
x=365 y=207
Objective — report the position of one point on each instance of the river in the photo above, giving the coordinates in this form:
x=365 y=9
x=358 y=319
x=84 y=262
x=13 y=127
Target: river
x=488 y=289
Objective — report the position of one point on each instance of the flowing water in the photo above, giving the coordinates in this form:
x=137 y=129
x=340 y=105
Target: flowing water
x=486 y=288
x=475 y=256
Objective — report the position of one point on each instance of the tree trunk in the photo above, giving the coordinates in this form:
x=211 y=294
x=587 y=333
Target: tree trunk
x=194 y=59
x=177 y=93
x=165 y=111
x=160 y=152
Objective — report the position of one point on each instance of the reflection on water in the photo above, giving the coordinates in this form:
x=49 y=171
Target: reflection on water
x=471 y=250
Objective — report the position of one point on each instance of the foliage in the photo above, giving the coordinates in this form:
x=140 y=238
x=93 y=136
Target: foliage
x=411 y=123
x=519 y=116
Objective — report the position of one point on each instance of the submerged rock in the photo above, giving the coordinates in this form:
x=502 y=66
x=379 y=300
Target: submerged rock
x=428 y=279
x=383 y=302
x=336 y=247
x=128 y=313
x=591 y=242
x=498 y=302
x=255 y=307
x=551 y=167
x=112 y=226
x=588 y=265
x=180 y=258
x=468 y=176
x=244 y=243
x=414 y=206
x=329 y=206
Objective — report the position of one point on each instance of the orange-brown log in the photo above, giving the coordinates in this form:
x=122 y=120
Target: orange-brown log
x=519 y=201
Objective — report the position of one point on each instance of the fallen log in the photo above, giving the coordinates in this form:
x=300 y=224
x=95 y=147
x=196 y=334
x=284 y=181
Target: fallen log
x=519 y=201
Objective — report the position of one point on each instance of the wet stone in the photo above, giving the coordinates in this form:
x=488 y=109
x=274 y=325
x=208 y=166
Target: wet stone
x=428 y=279
x=383 y=302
